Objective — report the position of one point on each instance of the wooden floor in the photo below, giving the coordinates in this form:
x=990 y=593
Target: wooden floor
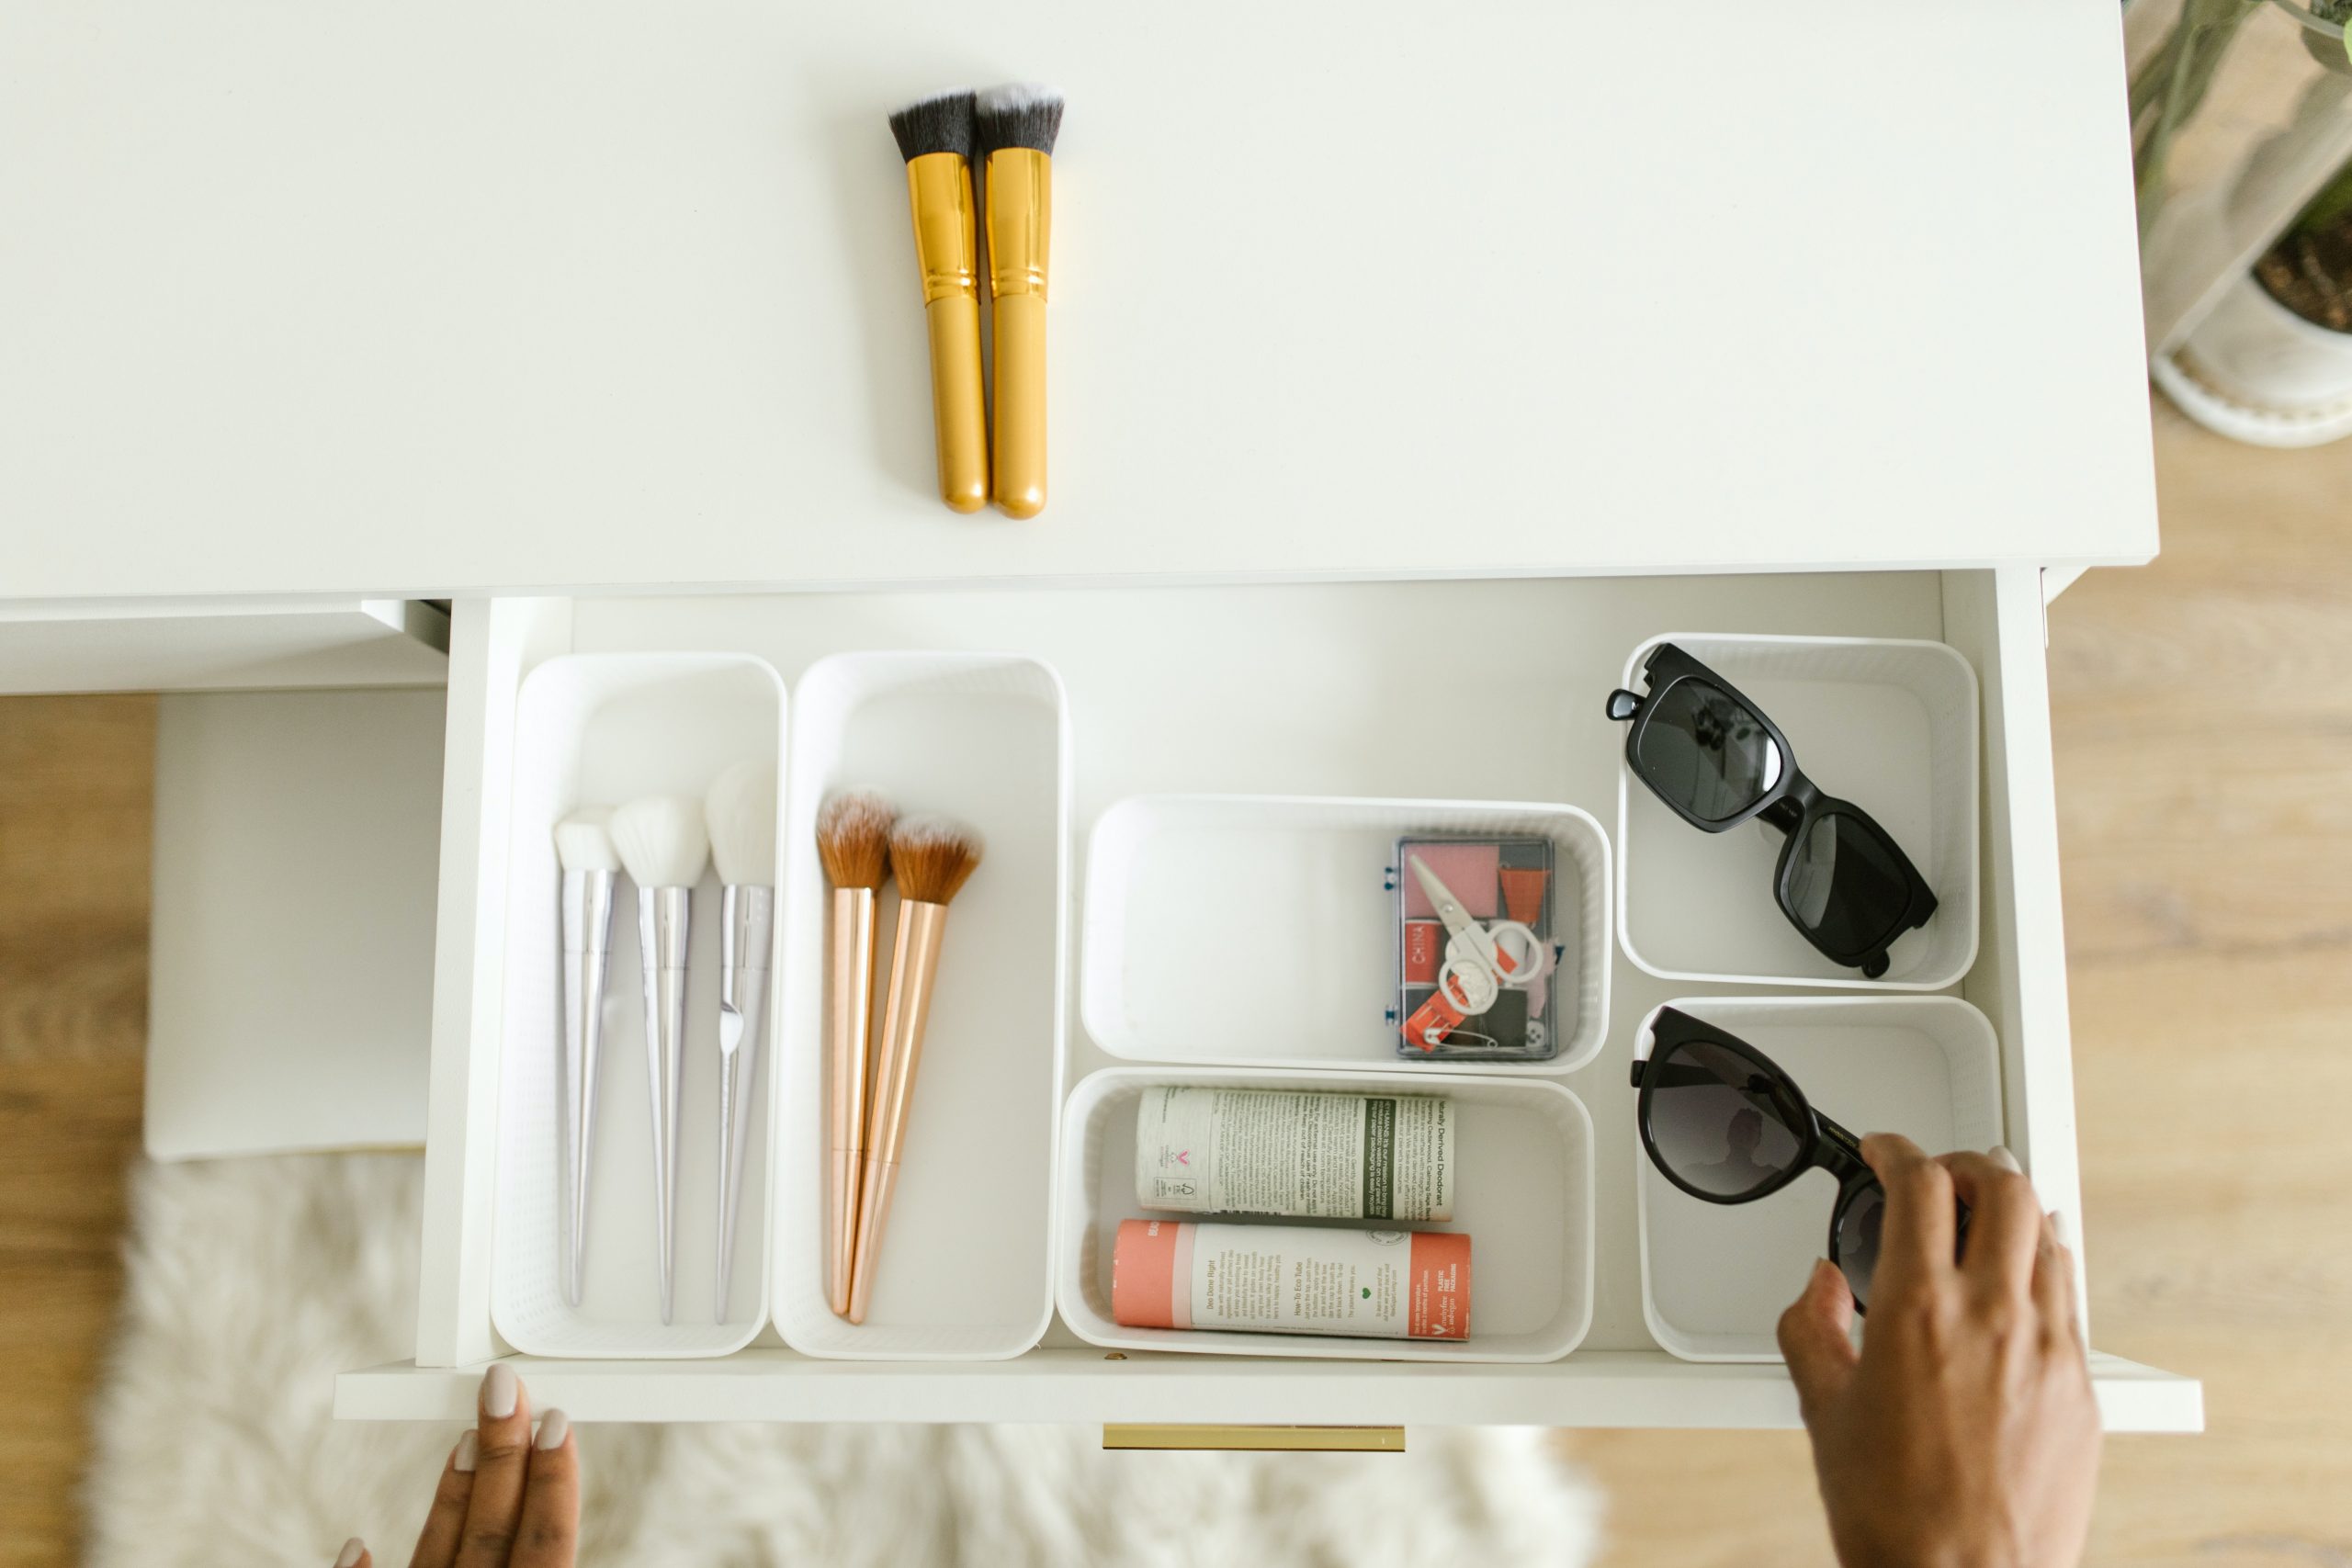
x=2204 y=731
x=76 y=792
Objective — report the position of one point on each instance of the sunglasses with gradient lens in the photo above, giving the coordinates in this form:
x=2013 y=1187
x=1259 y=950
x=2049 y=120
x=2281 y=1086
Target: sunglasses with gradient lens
x=1716 y=761
x=1724 y=1123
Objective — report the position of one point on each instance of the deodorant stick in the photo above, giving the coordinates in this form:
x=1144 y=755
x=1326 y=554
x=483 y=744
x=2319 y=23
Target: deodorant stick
x=1294 y=1155
x=1291 y=1279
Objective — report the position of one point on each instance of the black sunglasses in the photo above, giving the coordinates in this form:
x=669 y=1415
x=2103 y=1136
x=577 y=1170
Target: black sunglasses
x=1713 y=756
x=1722 y=1123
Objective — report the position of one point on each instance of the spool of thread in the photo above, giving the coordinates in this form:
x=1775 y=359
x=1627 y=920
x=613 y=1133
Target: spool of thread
x=1523 y=893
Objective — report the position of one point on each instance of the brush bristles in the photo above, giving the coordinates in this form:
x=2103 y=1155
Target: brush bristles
x=740 y=809
x=933 y=857
x=1019 y=114
x=853 y=839
x=584 y=841
x=662 y=840
x=940 y=123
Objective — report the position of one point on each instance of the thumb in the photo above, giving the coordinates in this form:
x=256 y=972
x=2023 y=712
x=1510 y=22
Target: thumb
x=1814 y=1338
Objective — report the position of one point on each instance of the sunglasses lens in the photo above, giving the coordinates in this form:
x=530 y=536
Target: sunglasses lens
x=1858 y=1237
x=1719 y=1125
x=1846 y=885
x=1706 y=754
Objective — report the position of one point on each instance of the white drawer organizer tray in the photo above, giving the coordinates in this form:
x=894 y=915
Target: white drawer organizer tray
x=1253 y=930
x=964 y=1272
x=1889 y=723
x=1716 y=1277
x=1522 y=1194
x=604 y=729
x=1301 y=690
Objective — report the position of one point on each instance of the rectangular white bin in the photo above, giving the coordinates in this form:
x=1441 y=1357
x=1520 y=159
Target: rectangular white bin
x=603 y=729
x=963 y=1267
x=1523 y=1194
x=1716 y=1277
x=1254 y=930
x=1890 y=724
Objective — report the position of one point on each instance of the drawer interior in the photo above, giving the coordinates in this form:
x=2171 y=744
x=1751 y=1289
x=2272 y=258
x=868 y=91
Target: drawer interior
x=1474 y=690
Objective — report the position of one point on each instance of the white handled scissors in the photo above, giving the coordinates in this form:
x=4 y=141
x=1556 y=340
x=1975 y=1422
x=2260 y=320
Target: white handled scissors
x=1480 y=959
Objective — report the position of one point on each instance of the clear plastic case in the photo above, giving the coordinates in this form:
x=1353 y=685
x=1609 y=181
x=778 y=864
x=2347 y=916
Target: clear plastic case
x=1476 y=955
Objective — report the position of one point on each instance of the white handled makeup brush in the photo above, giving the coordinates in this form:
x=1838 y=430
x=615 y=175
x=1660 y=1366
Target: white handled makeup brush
x=664 y=843
x=584 y=847
x=740 y=809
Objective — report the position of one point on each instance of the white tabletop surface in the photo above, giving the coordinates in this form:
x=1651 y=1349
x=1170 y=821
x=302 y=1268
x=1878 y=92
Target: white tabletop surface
x=444 y=298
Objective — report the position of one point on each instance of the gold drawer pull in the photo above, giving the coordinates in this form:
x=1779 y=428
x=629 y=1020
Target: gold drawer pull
x=1262 y=1440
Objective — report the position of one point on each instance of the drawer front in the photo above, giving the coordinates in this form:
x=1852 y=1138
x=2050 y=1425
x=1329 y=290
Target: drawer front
x=1307 y=690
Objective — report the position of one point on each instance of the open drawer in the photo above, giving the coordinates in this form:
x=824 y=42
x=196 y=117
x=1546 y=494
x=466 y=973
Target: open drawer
x=1310 y=690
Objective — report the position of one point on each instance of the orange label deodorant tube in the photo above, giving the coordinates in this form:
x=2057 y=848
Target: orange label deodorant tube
x=1291 y=1279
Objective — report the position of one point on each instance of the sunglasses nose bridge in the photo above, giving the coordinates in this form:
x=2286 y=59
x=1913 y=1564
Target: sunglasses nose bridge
x=1623 y=705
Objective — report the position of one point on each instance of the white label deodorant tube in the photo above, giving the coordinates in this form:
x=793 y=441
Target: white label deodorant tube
x=1302 y=1155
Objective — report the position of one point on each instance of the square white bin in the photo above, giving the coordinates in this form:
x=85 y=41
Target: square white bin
x=1522 y=1194
x=606 y=728
x=965 y=1268
x=1254 y=930
x=1716 y=1277
x=1888 y=723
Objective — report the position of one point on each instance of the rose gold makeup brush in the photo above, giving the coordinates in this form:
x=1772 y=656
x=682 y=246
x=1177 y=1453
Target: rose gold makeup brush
x=853 y=842
x=933 y=857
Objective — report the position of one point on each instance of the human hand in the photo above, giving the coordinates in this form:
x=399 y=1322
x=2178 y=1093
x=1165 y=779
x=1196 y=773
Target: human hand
x=506 y=1499
x=1964 y=1434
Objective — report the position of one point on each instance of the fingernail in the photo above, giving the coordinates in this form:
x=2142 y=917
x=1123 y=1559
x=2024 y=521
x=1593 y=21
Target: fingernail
x=353 y=1550
x=2064 y=1224
x=498 y=1389
x=2000 y=1155
x=468 y=1450
x=553 y=1428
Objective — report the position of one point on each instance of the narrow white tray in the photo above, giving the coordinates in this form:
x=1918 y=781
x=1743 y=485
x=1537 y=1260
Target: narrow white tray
x=1888 y=723
x=1255 y=930
x=1523 y=1194
x=1716 y=1277
x=965 y=1270
x=605 y=729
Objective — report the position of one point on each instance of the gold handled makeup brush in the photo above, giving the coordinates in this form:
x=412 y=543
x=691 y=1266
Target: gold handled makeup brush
x=1018 y=125
x=933 y=857
x=935 y=138
x=853 y=842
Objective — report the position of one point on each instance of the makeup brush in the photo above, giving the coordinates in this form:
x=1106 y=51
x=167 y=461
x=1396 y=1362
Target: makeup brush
x=853 y=842
x=933 y=857
x=1018 y=125
x=584 y=847
x=935 y=138
x=741 y=811
x=664 y=843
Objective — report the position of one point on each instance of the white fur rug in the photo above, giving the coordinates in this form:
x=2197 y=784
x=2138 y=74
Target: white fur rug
x=253 y=1281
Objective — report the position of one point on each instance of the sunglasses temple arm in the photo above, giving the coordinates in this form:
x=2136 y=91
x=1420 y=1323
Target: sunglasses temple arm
x=1841 y=1151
